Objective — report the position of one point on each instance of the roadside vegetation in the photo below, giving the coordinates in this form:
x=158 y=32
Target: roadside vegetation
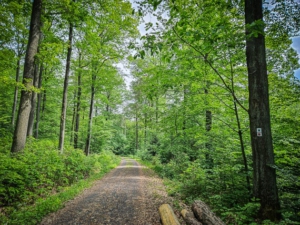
x=39 y=180
x=223 y=188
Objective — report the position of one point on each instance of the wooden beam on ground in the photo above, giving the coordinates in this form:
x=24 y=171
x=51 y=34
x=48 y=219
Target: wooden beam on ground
x=189 y=217
x=203 y=213
x=167 y=215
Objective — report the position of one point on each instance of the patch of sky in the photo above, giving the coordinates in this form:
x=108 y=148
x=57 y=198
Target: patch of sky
x=296 y=46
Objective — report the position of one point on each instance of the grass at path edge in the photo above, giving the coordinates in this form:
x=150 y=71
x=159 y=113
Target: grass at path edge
x=34 y=214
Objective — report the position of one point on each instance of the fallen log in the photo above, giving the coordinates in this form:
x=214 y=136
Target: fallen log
x=167 y=215
x=203 y=213
x=189 y=217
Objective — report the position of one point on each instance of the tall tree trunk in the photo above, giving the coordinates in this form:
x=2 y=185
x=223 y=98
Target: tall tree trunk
x=264 y=178
x=65 y=92
x=33 y=100
x=240 y=133
x=20 y=132
x=242 y=148
x=89 y=134
x=78 y=104
x=73 y=118
x=16 y=93
x=38 y=107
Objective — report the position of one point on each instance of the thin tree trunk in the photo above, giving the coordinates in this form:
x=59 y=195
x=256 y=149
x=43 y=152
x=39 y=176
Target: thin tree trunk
x=264 y=177
x=107 y=106
x=77 y=118
x=96 y=111
x=33 y=101
x=242 y=149
x=65 y=92
x=38 y=107
x=44 y=97
x=240 y=133
x=107 y=110
x=89 y=135
x=19 y=139
x=73 y=119
x=16 y=93
x=44 y=101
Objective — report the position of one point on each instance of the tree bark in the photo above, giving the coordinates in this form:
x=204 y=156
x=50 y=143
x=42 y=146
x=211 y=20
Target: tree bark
x=19 y=139
x=33 y=100
x=264 y=178
x=73 y=118
x=189 y=217
x=78 y=104
x=89 y=133
x=38 y=107
x=203 y=213
x=167 y=215
x=16 y=94
x=65 y=92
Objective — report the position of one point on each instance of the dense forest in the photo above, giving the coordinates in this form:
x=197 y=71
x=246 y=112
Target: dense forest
x=206 y=97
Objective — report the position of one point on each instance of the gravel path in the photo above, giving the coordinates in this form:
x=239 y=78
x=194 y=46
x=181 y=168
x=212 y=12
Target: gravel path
x=128 y=195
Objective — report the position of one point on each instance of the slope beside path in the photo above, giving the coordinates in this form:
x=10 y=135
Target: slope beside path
x=128 y=195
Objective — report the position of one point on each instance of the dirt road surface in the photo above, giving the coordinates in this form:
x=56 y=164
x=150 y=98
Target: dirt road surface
x=128 y=195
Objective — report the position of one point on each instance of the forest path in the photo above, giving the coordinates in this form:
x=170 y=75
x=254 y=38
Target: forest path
x=128 y=195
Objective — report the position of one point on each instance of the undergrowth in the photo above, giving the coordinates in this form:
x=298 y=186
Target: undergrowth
x=40 y=179
x=223 y=189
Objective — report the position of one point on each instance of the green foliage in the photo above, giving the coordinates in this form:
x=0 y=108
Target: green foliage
x=242 y=215
x=144 y=155
x=193 y=65
x=38 y=172
x=285 y=117
x=255 y=29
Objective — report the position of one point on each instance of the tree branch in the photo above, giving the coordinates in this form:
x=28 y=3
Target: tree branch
x=204 y=56
x=227 y=124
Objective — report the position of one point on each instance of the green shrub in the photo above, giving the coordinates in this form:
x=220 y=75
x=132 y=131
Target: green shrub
x=144 y=155
x=41 y=170
x=13 y=174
